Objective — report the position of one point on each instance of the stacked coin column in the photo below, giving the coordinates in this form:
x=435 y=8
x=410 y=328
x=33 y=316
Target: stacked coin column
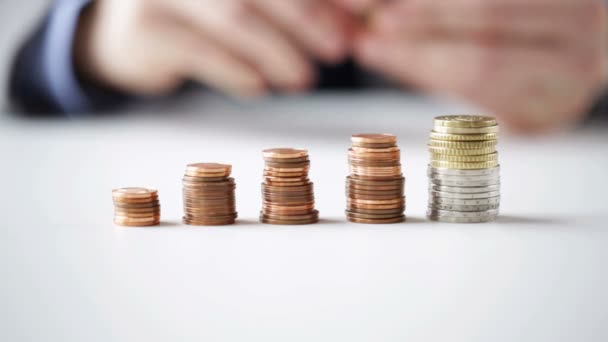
x=464 y=179
x=209 y=195
x=136 y=207
x=375 y=187
x=288 y=194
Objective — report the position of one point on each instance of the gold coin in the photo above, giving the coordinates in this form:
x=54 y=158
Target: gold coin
x=465 y=121
x=281 y=153
x=466 y=145
x=463 y=166
x=462 y=151
x=134 y=193
x=465 y=159
x=209 y=167
x=458 y=130
x=373 y=138
x=463 y=137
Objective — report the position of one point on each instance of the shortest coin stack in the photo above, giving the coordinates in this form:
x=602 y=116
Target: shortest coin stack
x=209 y=195
x=136 y=207
x=375 y=187
x=287 y=192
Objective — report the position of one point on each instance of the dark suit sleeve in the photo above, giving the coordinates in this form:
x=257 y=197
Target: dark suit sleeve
x=43 y=78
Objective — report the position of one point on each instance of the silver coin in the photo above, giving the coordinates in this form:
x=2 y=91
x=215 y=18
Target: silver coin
x=456 y=201
x=449 y=213
x=464 y=190
x=464 y=207
x=457 y=183
x=458 y=172
x=464 y=195
x=463 y=178
x=463 y=219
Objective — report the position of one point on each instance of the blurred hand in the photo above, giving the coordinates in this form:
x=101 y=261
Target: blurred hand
x=241 y=47
x=535 y=63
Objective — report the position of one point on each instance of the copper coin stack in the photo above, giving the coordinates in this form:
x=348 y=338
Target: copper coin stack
x=375 y=187
x=209 y=195
x=136 y=207
x=287 y=192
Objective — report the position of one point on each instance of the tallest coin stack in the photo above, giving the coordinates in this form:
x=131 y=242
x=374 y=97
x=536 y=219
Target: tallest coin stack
x=464 y=179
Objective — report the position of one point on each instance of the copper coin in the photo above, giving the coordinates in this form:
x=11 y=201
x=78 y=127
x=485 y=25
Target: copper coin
x=137 y=211
x=359 y=187
x=376 y=221
x=124 y=224
x=287 y=160
x=374 y=192
x=376 y=206
x=280 y=153
x=285 y=213
x=275 y=206
x=374 y=145
x=129 y=220
x=286 y=184
x=134 y=200
x=373 y=138
x=210 y=181
x=374 y=150
x=134 y=193
x=209 y=167
x=286 y=174
x=208 y=222
x=137 y=205
x=288 y=222
x=372 y=216
x=287 y=165
x=307 y=187
x=394 y=212
x=391 y=201
x=136 y=215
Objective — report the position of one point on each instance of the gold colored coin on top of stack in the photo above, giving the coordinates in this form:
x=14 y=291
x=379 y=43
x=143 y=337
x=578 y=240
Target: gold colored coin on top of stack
x=287 y=192
x=209 y=198
x=375 y=186
x=464 y=172
x=136 y=207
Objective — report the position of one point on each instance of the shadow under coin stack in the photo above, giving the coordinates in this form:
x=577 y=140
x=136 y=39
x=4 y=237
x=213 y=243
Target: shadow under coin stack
x=287 y=192
x=136 y=207
x=209 y=195
x=375 y=187
x=464 y=174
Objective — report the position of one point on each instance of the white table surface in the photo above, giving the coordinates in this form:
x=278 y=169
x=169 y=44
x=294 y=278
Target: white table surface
x=540 y=273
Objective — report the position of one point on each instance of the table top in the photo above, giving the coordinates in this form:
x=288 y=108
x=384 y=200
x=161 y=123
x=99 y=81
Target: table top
x=68 y=274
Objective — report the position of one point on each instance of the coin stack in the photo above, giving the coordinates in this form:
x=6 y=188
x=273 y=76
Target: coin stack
x=136 y=207
x=287 y=192
x=375 y=186
x=464 y=174
x=209 y=195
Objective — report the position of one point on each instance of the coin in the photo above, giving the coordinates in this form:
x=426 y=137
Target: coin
x=465 y=121
x=463 y=137
x=463 y=165
x=134 y=193
x=480 y=219
x=461 y=151
x=373 y=138
x=449 y=213
x=465 y=190
x=465 y=145
x=127 y=224
x=457 y=172
x=458 y=130
x=450 y=207
x=209 y=167
x=280 y=153
x=288 y=222
x=455 y=201
x=372 y=216
x=464 y=195
x=376 y=221
x=465 y=158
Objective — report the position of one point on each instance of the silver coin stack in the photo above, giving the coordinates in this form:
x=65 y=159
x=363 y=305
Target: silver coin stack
x=464 y=173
